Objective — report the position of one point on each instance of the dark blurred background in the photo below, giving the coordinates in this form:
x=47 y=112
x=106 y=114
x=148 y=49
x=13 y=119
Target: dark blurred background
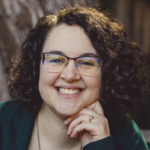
x=17 y=17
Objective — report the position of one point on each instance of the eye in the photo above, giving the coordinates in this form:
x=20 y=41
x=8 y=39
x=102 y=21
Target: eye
x=84 y=63
x=56 y=61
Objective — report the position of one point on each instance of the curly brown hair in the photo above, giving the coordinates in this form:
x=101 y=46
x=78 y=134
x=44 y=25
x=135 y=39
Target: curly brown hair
x=122 y=69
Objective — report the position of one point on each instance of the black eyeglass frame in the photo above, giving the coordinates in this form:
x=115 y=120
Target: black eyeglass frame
x=42 y=55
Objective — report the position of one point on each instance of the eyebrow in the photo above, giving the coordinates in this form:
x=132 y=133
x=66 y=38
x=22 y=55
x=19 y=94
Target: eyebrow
x=82 y=55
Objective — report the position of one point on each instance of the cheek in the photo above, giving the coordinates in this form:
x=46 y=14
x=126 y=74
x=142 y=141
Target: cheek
x=93 y=86
x=46 y=80
x=93 y=83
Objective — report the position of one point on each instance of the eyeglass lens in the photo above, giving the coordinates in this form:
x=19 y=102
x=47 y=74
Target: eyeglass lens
x=86 y=65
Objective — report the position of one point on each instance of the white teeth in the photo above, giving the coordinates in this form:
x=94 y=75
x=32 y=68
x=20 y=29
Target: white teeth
x=68 y=91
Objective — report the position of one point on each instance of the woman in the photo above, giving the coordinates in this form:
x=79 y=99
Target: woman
x=78 y=75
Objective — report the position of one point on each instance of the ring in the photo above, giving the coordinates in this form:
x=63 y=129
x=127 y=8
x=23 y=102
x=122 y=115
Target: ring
x=90 y=118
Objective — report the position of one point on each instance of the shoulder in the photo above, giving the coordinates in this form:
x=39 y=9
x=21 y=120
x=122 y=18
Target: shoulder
x=5 y=105
x=128 y=135
x=13 y=109
x=126 y=123
x=127 y=126
x=15 y=120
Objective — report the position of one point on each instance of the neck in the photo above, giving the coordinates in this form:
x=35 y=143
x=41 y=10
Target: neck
x=53 y=132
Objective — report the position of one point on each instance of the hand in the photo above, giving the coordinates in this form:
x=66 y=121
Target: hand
x=88 y=131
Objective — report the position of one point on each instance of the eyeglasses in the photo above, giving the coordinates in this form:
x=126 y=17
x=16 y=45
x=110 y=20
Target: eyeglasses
x=88 y=66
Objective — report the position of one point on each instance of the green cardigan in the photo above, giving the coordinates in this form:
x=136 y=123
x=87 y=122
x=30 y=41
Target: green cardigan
x=17 y=121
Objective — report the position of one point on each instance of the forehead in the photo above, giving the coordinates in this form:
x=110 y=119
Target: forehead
x=71 y=40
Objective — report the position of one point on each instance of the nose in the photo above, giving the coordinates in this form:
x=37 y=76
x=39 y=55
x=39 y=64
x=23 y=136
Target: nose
x=70 y=73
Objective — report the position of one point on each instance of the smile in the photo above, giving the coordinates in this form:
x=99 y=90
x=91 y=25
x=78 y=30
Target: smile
x=68 y=91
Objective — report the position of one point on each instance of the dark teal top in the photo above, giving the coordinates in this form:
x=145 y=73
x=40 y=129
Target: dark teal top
x=17 y=122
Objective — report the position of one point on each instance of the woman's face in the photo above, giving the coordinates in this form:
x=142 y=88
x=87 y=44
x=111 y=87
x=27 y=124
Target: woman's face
x=73 y=42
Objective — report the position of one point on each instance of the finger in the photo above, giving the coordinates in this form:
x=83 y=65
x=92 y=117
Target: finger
x=96 y=130
x=96 y=106
x=84 y=111
x=77 y=121
x=81 y=127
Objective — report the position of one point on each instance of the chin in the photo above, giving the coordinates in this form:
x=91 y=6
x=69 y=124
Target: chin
x=67 y=108
x=67 y=112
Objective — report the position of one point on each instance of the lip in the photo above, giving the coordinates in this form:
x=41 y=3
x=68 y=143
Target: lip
x=67 y=96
